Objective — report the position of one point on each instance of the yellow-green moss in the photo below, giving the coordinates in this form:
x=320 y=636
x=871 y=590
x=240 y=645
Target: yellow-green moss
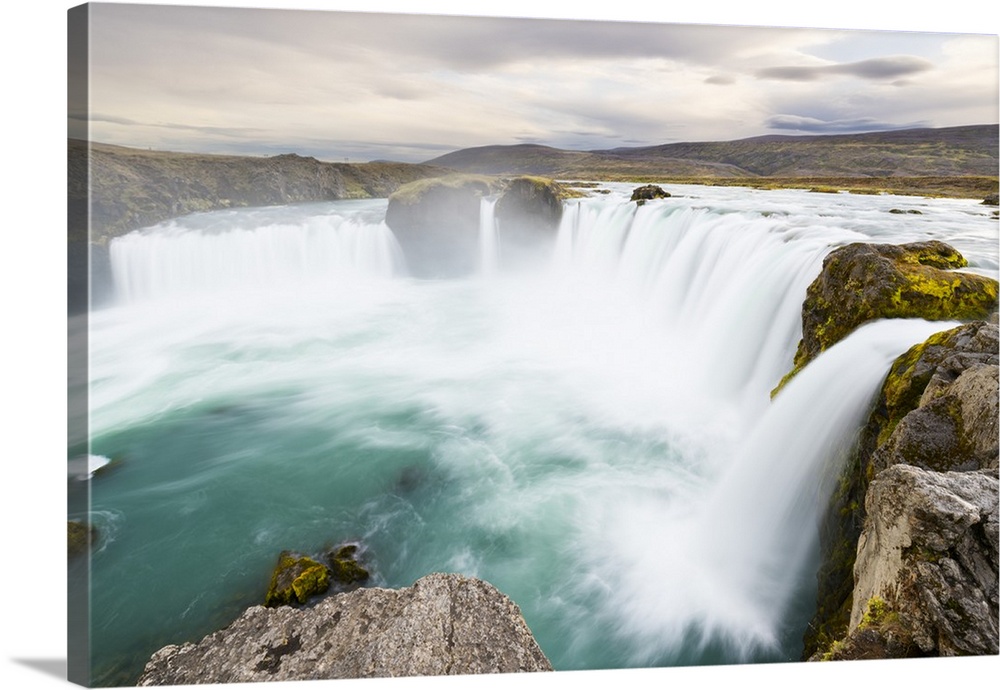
x=295 y=579
x=412 y=192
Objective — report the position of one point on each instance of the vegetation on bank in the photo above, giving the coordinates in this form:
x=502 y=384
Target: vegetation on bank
x=979 y=187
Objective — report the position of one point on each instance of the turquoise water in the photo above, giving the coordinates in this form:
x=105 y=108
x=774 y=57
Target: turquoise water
x=271 y=379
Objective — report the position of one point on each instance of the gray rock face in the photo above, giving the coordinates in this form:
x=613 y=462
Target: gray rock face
x=929 y=551
x=436 y=223
x=953 y=428
x=937 y=410
x=442 y=625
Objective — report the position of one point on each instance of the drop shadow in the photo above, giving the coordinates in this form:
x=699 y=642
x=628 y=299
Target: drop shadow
x=50 y=667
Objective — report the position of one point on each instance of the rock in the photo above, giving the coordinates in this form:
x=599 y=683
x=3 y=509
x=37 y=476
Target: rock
x=345 y=570
x=937 y=409
x=436 y=222
x=953 y=428
x=865 y=282
x=295 y=579
x=530 y=206
x=528 y=212
x=442 y=625
x=80 y=536
x=641 y=195
x=929 y=551
x=113 y=189
x=927 y=371
x=992 y=200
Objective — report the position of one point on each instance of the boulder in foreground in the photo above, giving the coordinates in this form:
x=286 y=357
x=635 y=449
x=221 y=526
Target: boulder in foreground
x=444 y=624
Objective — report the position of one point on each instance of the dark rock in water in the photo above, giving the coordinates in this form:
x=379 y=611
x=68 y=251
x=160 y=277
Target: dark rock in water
x=937 y=410
x=529 y=206
x=410 y=479
x=863 y=282
x=436 y=222
x=992 y=200
x=345 y=569
x=901 y=211
x=295 y=579
x=80 y=537
x=527 y=214
x=647 y=192
x=442 y=625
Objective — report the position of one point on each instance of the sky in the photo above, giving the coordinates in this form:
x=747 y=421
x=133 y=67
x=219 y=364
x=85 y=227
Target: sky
x=348 y=85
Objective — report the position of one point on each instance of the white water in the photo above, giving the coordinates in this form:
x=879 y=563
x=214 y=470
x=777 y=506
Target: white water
x=595 y=438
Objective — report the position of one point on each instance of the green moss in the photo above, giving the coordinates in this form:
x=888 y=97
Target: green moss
x=875 y=613
x=413 y=192
x=861 y=283
x=295 y=579
x=344 y=566
x=314 y=580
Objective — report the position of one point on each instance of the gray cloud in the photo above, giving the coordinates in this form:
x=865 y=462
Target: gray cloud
x=890 y=67
x=350 y=84
x=813 y=125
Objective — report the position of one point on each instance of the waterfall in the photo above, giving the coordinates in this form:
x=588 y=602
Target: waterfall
x=489 y=255
x=184 y=258
x=592 y=432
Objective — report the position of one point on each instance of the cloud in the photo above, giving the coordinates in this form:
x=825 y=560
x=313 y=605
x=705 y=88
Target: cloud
x=891 y=67
x=813 y=125
x=202 y=78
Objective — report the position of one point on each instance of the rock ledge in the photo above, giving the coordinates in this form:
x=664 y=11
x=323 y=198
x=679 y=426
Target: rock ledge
x=444 y=624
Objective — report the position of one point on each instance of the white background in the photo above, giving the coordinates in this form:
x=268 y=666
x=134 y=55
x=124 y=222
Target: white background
x=33 y=402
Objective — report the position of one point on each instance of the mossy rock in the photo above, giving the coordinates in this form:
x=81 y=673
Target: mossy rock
x=919 y=381
x=531 y=204
x=436 y=222
x=345 y=569
x=861 y=282
x=295 y=579
x=80 y=536
x=645 y=193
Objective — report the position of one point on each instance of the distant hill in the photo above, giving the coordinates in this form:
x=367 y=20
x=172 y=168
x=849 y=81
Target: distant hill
x=944 y=152
x=130 y=188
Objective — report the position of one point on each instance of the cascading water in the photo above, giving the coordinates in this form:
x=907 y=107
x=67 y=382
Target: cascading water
x=595 y=438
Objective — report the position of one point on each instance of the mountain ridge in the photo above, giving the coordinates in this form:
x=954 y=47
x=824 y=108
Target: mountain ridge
x=968 y=150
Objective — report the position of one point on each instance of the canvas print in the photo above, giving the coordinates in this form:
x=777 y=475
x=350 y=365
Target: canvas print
x=417 y=345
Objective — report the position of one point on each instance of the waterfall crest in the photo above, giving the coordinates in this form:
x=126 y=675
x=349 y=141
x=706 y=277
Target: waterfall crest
x=591 y=432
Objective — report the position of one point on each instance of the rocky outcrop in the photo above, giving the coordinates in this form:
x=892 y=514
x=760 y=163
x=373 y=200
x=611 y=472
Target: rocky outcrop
x=437 y=221
x=113 y=190
x=928 y=554
x=442 y=625
x=937 y=415
x=641 y=195
x=133 y=188
x=295 y=579
x=529 y=207
x=865 y=282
